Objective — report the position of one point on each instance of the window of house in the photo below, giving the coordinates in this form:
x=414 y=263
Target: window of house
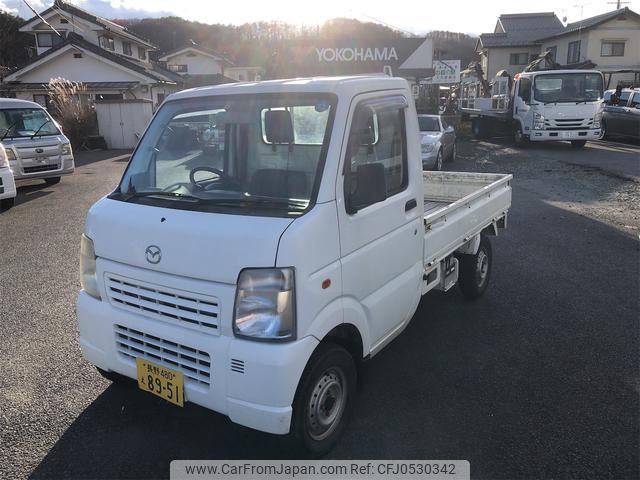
x=42 y=99
x=48 y=39
x=573 y=52
x=377 y=136
x=108 y=96
x=611 y=48
x=518 y=59
x=126 y=48
x=178 y=68
x=107 y=43
x=554 y=51
x=142 y=53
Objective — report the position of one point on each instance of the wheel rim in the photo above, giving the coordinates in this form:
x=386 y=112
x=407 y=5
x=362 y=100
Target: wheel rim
x=326 y=404
x=439 y=161
x=482 y=268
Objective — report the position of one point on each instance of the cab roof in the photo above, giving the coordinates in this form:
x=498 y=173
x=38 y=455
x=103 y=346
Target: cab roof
x=6 y=103
x=341 y=86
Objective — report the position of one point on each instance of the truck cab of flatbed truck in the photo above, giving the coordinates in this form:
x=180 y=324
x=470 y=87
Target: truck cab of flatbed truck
x=255 y=279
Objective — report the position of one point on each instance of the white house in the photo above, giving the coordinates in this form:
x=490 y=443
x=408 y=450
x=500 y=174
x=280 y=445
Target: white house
x=111 y=61
x=610 y=40
x=197 y=65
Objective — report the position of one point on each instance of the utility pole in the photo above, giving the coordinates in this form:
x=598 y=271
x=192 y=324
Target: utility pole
x=618 y=3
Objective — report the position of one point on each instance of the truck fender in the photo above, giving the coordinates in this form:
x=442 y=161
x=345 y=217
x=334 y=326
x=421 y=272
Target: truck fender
x=339 y=311
x=471 y=247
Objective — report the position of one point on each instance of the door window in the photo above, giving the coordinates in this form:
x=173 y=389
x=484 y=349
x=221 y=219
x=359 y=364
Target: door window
x=635 y=101
x=376 y=153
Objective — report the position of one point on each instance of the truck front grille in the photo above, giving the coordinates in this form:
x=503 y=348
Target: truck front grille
x=193 y=363
x=192 y=310
x=41 y=168
x=568 y=123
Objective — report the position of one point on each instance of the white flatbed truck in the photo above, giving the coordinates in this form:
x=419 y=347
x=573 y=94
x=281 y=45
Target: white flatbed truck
x=537 y=106
x=256 y=279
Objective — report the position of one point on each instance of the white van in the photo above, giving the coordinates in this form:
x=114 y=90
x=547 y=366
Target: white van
x=7 y=184
x=255 y=279
x=35 y=145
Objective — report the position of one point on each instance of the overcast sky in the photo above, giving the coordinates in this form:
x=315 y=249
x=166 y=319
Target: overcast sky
x=454 y=15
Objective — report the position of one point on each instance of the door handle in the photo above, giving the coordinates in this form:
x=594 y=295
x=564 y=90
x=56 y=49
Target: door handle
x=410 y=205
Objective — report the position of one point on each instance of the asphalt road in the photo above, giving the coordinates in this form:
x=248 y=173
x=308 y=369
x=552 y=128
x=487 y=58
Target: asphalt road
x=538 y=379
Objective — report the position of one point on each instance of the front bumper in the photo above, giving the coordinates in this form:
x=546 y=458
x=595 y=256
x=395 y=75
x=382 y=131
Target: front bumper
x=567 y=135
x=7 y=184
x=26 y=169
x=258 y=395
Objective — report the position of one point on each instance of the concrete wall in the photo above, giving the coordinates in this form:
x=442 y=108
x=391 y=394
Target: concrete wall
x=196 y=65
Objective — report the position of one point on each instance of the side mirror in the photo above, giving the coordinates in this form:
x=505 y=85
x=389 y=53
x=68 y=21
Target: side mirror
x=370 y=187
x=449 y=129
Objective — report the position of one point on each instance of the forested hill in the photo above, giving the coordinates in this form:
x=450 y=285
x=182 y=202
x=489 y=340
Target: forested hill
x=268 y=44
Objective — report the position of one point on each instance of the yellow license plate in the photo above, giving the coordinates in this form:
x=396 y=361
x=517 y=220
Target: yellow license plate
x=161 y=381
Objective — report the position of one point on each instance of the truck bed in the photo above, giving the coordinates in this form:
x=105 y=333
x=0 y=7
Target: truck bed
x=459 y=205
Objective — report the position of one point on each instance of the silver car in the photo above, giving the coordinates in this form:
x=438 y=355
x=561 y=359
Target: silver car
x=35 y=146
x=438 y=141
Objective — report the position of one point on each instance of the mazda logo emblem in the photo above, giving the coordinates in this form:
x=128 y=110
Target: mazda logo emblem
x=153 y=254
x=39 y=150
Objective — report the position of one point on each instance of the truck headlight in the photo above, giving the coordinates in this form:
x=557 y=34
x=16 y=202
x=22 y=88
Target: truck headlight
x=427 y=147
x=3 y=157
x=538 y=121
x=88 y=279
x=597 y=121
x=10 y=154
x=65 y=149
x=265 y=304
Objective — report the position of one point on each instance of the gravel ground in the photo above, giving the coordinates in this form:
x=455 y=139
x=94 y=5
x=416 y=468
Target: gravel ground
x=538 y=379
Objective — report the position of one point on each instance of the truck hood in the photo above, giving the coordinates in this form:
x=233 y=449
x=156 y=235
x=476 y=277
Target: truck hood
x=564 y=111
x=202 y=245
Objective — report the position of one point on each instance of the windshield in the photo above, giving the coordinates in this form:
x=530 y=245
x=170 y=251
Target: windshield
x=254 y=153
x=428 y=124
x=568 y=87
x=25 y=122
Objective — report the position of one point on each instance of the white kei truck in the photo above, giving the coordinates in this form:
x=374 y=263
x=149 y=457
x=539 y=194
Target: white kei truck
x=256 y=278
x=537 y=106
x=7 y=183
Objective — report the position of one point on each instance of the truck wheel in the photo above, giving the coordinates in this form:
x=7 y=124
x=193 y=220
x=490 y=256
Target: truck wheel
x=475 y=270
x=578 y=143
x=438 y=165
x=518 y=137
x=324 y=399
x=7 y=203
x=477 y=128
x=111 y=376
x=52 y=180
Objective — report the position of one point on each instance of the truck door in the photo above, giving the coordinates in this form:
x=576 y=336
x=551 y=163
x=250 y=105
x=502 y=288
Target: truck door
x=379 y=215
x=521 y=104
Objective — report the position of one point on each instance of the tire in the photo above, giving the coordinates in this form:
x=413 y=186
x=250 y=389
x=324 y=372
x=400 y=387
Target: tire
x=518 y=137
x=477 y=128
x=454 y=153
x=603 y=127
x=52 y=180
x=112 y=376
x=324 y=400
x=7 y=203
x=578 y=143
x=439 y=161
x=475 y=270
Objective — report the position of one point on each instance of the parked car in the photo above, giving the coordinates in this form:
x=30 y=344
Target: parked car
x=438 y=141
x=621 y=116
x=34 y=143
x=7 y=184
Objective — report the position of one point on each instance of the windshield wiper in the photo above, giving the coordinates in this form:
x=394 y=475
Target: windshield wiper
x=40 y=128
x=150 y=193
x=9 y=129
